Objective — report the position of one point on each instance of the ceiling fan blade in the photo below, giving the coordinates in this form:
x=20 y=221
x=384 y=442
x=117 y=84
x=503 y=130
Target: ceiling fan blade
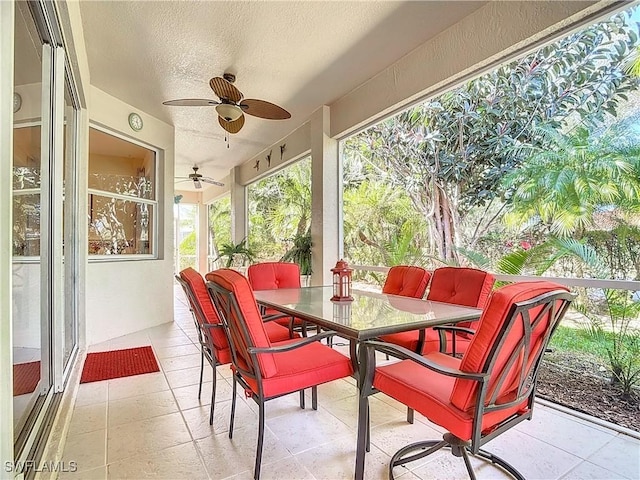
x=264 y=109
x=191 y=102
x=231 y=127
x=197 y=184
x=225 y=90
x=212 y=181
x=180 y=180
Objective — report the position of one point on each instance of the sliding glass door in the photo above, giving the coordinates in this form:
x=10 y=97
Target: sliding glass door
x=45 y=219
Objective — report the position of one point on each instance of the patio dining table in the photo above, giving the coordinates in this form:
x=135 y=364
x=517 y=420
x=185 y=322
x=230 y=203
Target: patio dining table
x=367 y=316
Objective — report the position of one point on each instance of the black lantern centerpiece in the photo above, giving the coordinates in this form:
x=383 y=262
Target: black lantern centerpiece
x=342 y=282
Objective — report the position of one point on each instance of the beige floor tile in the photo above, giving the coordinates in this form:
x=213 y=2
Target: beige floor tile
x=347 y=411
x=161 y=342
x=179 y=462
x=132 y=409
x=531 y=457
x=88 y=418
x=225 y=457
x=188 y=376
x=99 y=473
x=280 y=406
x=443 y=464
x=335 y=460
x=621 y=455
x=187 y=397
x=564 y=432
x=137 y=385
x=87 y=450
x=287 y=468
x=198 y=418
x=146 y=436
x=303 y=429
x=334 y=391
x=589 y=471
x=179 y=363
x=392 y=436
x=94 y=392
x=177 y=351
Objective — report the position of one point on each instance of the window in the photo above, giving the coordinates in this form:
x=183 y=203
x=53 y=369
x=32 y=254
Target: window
x=219 y=219
x=280 y=211
x=122 y=196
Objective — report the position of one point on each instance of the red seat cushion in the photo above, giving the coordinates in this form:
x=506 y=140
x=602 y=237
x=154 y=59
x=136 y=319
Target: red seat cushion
x=429 y=392
x=304 y=367
x=407 y=281
x=274 y=275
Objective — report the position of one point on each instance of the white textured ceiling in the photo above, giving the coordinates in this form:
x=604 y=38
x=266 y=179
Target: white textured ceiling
x=297 y=54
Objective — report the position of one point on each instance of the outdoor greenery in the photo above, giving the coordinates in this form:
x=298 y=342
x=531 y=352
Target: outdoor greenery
x=236 y=255
x=532 y=168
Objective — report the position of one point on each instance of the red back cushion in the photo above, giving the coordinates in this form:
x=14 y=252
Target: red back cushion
x=195 y=282
x=406 y=281
x=462 y=286
x=492 y=319
x=274 y=275
x=238 y=284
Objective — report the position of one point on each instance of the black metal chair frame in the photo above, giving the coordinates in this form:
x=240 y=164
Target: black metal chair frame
x=206 y=342
x=225 y=301
x=526 y=388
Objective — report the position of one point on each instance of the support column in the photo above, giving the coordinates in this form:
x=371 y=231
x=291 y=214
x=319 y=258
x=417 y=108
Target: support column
x=203 y=236
x=239 y=206
x=326 y=198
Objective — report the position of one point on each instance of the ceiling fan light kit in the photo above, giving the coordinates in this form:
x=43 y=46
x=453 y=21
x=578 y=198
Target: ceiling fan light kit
x=198 y=179
x=229 y=112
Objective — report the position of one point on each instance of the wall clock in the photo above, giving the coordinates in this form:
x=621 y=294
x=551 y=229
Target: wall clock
x=17 y=102
x=135 y=122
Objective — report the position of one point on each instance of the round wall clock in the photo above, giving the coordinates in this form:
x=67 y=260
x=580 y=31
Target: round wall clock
x=17 y=102
x=135 y=122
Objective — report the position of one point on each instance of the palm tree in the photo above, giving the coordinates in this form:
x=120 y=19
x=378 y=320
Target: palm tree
x=563 y=186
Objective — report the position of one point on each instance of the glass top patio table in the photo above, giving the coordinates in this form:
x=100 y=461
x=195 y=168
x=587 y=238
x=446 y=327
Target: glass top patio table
x=368 y=316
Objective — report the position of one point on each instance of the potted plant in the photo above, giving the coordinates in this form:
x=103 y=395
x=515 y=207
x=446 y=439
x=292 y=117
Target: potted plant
x=237 y=255
x=300 y=253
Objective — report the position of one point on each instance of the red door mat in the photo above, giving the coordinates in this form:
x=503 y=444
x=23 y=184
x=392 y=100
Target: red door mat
x=25 y=377
x=118 y=363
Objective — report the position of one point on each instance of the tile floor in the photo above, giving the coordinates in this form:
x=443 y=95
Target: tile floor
x=154 y=426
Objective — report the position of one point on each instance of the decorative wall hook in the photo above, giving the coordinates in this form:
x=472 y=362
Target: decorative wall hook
x=283 y=147
x=269 y=158
x=257 y=165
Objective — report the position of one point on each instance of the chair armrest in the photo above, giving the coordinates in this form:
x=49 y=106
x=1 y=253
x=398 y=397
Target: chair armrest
x=406 y=354
x=211 y=325
x=275 y=316
x=453 y=328
x=293 y=345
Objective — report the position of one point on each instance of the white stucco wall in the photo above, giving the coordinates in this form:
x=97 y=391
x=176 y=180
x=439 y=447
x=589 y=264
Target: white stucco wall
x=126 y=296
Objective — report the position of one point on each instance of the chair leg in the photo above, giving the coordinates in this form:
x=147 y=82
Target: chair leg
x=201 y=370
x=314 y=397
x=256 y=473
x=467 y=463
x=410 y=415
x=233 y=407
x=426 y=448
x=302 y=404
x=213 y=396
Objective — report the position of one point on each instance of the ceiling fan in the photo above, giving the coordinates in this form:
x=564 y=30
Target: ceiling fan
x=198 y=179
x=232 y=105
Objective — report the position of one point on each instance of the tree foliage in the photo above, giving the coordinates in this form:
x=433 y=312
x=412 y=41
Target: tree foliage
x=450 y=153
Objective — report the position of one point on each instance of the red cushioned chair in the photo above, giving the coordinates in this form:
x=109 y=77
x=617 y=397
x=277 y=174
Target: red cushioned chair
x=463 y=286
x=483 y=394
x=406 y=281
x=264 y=369
x=211 y=335
x=275 y=275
